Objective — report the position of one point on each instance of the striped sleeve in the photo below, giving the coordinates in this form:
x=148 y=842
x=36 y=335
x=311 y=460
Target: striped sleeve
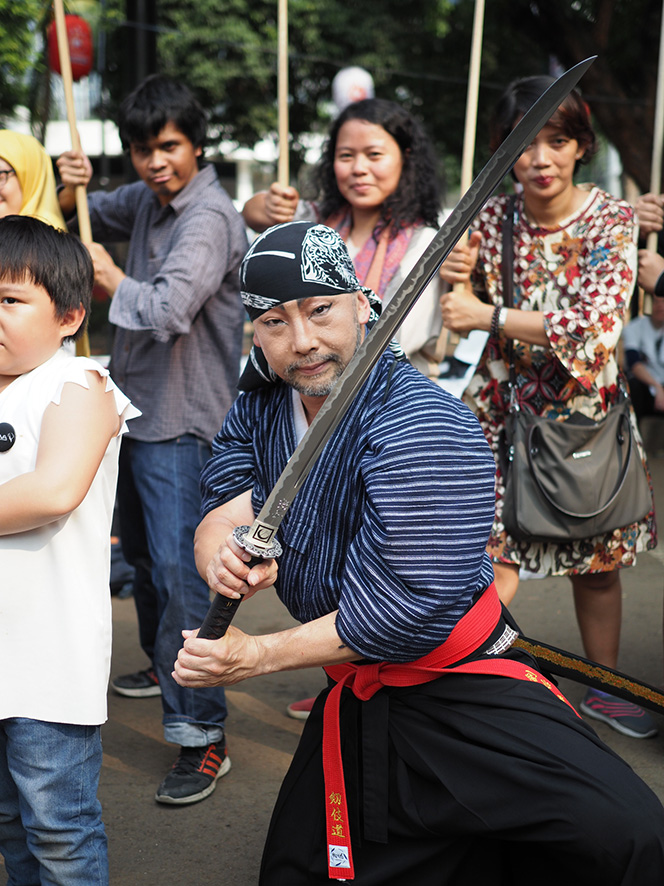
x=419 y=556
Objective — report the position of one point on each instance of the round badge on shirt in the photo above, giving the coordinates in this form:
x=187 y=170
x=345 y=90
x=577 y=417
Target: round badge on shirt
x=7 y=436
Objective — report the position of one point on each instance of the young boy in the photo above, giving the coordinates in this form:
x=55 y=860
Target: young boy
x=61 y=418
x=176 y=353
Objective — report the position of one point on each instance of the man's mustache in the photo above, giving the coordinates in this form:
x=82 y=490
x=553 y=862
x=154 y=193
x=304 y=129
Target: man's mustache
x=310 y=361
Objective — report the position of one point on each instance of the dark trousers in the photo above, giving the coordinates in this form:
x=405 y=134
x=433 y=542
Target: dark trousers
x=642 y=400
x=135 y=550
x=159 y=502
x=485 y=780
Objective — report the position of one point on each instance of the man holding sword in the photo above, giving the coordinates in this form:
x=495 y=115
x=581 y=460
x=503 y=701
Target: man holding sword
x=457 y=761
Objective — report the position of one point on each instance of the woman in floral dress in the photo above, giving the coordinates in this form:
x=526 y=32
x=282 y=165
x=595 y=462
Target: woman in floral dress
x=575 y=257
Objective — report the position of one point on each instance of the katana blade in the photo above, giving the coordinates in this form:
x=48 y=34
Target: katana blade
x=259 y=538
x=590 y=673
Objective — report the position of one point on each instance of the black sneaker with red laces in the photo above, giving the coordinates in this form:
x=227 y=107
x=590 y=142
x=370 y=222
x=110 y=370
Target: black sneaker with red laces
x=194 y=775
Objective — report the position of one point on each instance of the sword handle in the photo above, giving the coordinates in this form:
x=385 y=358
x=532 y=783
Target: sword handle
x=221 y=612
x=223 y=609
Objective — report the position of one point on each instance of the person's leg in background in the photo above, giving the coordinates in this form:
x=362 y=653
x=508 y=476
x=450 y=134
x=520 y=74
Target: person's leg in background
x=642 y=400
x=166 y=476
x=598 y=604
x=507 y=581
x=143 y=683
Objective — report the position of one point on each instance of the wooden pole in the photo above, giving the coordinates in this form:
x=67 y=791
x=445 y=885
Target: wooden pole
x=471 y=99
x=658 y=132
x=656 y=161
x=283 y=175
x=67 y=81
x=470 y=129
x=85 y=231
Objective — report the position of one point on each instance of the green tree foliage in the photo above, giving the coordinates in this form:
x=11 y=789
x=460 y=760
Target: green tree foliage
x=17 y=30
x=236 y=43
x=418 y=53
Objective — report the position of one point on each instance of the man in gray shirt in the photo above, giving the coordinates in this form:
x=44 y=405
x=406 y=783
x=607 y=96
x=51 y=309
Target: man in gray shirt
x=179 y=318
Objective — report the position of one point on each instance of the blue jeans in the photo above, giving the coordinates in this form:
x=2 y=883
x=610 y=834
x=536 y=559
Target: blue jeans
x=135 y=551
x=159 y=502
x=51 y=832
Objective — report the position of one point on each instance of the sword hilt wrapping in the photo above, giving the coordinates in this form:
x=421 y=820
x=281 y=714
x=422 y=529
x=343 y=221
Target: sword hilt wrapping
x=222 y=609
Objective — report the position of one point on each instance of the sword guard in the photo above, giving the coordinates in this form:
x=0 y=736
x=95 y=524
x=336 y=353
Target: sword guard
x=268 y=552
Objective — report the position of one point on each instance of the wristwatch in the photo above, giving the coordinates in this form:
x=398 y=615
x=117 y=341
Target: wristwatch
x=659 y=286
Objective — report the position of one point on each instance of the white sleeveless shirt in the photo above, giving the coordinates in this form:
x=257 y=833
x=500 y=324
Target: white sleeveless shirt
x=55 y=605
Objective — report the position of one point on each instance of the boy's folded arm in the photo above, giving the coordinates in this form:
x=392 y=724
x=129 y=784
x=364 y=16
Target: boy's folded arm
x=74 y=436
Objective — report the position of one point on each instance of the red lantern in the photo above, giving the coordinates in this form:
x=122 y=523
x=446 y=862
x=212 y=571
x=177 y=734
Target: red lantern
x=79 y=37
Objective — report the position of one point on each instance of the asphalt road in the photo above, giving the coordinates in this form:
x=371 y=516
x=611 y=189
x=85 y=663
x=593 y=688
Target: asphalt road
x=220 y=839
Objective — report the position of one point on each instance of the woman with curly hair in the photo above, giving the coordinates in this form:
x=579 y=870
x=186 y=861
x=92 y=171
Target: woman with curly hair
x=376 y=185
x=574 y=268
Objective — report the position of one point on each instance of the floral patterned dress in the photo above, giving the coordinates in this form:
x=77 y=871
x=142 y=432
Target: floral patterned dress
x=581 y=276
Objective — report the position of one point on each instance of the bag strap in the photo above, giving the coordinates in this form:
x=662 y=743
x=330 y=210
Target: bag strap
x=507 y=277
x=507 y=264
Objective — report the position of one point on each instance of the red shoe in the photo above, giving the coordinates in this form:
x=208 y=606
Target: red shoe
x=300 y=710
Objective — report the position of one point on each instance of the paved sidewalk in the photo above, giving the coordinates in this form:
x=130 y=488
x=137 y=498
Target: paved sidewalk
x=220 y=840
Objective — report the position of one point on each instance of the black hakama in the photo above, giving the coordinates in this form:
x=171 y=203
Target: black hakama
x=465 y=781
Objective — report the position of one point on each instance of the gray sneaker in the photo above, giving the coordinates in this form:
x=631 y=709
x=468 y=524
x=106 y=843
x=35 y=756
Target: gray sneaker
x=623 y=716
x=142 y=684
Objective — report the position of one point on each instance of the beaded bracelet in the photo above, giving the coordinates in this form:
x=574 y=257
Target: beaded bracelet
x=495 y=320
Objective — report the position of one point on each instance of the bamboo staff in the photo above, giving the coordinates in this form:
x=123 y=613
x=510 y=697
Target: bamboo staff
x=658 y=133
x=283 y=175
x=85 y=231
x=470 y=129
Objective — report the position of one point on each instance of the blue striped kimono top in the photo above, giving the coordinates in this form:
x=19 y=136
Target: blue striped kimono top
x=391 y=524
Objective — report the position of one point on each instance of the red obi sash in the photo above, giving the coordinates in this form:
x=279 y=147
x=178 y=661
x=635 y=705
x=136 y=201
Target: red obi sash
x=365 y=680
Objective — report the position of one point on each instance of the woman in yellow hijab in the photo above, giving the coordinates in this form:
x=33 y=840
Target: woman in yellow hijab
x=27 y=182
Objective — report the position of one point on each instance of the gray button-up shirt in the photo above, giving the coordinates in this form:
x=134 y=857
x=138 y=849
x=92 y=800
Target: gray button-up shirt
x=178 y=312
